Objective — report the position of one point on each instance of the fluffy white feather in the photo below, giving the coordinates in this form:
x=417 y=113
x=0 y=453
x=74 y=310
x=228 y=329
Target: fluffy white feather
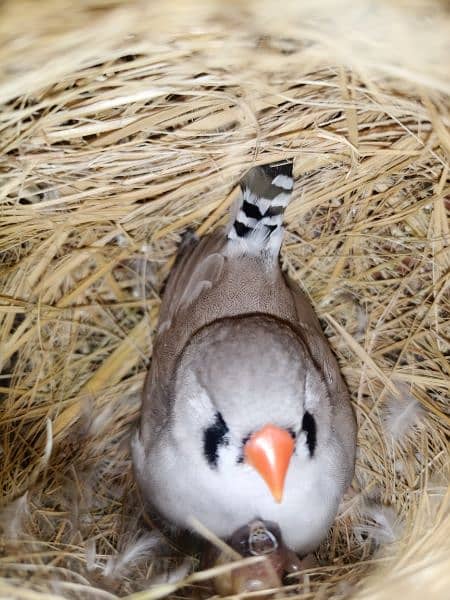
x=379 y=523
x=144 y=547
x=174 y=575
x=91 y=555
x=13 y=518
x=101 y=420
x=401 y=415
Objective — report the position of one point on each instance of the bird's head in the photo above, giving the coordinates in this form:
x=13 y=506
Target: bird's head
x=249 y=396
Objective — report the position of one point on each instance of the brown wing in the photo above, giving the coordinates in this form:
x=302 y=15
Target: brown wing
x=197 y=267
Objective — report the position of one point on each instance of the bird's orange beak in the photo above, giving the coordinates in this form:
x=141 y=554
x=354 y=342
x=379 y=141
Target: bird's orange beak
x=269 y=451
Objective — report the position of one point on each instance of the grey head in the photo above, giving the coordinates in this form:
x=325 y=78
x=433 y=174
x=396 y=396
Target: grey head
x=239 y=375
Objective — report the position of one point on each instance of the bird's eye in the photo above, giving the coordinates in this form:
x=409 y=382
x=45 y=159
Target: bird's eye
x=309 y=426
x=213 y=437
x=240 y=459
x=292 y=433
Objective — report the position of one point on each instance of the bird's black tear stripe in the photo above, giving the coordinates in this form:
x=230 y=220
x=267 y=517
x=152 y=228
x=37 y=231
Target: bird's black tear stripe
x=309 y=425
x=213 y=437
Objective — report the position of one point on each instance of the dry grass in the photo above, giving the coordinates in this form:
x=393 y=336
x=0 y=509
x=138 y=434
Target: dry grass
x=122 y=124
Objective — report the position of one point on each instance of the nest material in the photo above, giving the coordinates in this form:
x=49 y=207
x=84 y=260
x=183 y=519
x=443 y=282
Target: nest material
x=124 y=124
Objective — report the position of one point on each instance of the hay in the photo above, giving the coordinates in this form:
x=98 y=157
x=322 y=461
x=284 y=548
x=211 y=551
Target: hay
x=122 y=124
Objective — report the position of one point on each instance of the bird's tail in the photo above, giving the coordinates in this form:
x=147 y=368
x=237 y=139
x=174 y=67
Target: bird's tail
x=258 y=223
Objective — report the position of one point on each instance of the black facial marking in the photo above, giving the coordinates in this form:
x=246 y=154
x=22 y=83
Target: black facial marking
x=213 y=437
x=309 y=425
x=241 y=229
x=251 y=211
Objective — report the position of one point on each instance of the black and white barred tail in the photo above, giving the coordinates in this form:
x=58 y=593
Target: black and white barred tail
x=258 y=224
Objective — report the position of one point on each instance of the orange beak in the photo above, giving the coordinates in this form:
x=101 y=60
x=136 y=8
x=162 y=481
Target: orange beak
x=269 y=451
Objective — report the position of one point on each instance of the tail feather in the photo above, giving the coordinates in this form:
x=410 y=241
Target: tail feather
x=258 y=224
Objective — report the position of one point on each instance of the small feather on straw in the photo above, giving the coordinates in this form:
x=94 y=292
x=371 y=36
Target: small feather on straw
x=13 y=518
x=91 y=555
x=174 y=575
x=379 y=523
x=400 y=415
x=101 y=420
x=144 y=547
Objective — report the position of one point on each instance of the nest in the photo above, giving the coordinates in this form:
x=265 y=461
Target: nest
x=123 y=125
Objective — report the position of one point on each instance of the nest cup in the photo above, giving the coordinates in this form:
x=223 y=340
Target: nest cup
x=123 y=124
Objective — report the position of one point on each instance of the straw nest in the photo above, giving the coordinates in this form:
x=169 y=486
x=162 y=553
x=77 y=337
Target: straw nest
x=124 y=124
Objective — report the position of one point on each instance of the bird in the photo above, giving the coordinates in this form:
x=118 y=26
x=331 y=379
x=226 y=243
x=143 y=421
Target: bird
x=245 y=414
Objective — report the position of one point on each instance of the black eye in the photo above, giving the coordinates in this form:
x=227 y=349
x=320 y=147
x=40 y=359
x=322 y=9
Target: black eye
x=292 y=433
x=213 y=437
x=309 y=425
